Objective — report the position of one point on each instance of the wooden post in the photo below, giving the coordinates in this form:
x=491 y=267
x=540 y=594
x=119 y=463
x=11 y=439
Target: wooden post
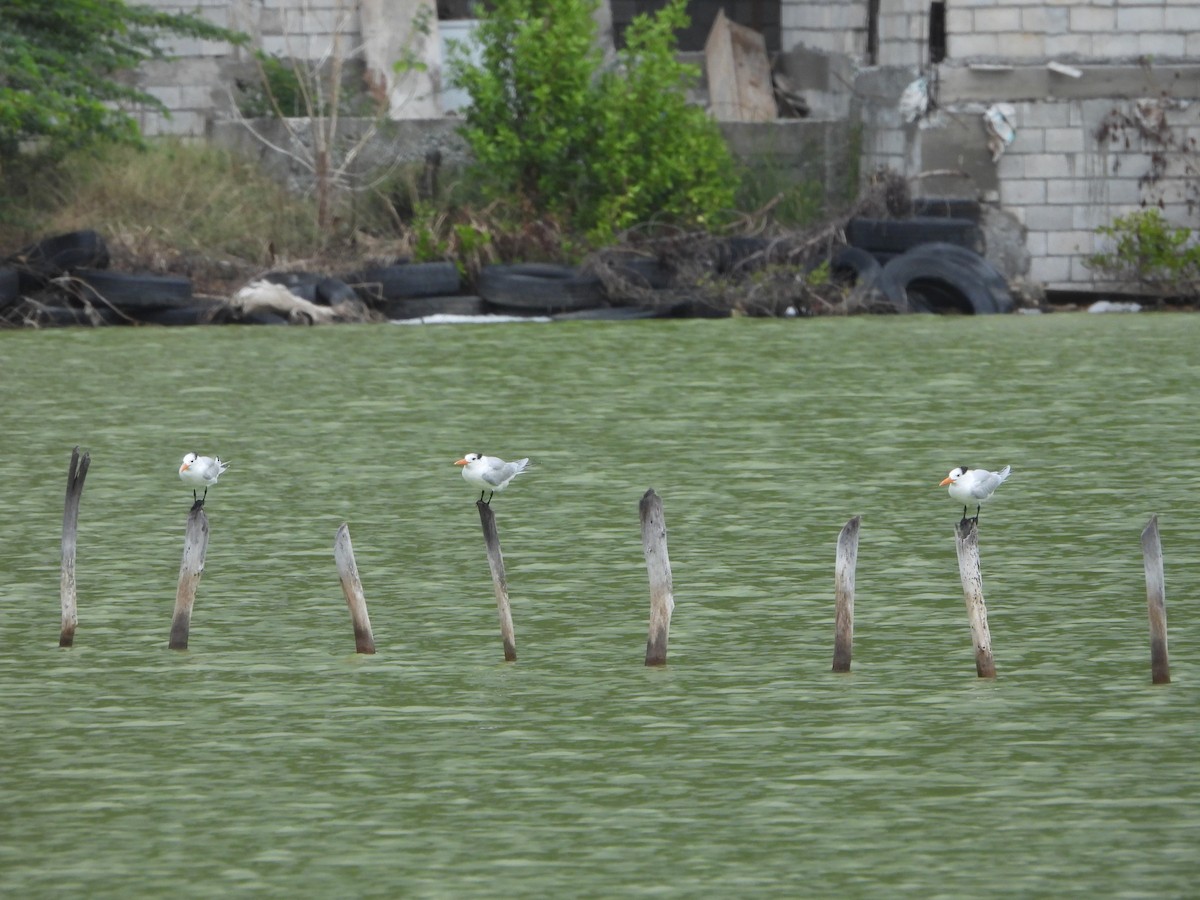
x=1156 y=602
x=967 y=534
x=658 y=567
x=847 y=560
x=66 y=587
x=496 y=564
x=195 y=544
x=343 y=554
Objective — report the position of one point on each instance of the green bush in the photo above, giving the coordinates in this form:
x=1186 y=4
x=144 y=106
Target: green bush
x=557 y=136
x=659 y=157
x=63 y=65
x=1151 y=253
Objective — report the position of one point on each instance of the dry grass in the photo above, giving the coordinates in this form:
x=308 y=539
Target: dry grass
x=172 y=207
x=190 y=209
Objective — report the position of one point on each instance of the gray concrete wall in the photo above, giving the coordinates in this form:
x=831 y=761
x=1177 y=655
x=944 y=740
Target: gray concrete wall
x=195 y=83
x=1057 y=182
x=1067 y=172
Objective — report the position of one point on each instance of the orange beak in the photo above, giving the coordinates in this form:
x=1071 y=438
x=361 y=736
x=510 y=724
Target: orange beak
x=461 y=462
x=944 y=482
x=184 y=467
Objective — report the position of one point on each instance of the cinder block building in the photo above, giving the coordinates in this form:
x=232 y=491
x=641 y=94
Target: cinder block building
x=1058 y=114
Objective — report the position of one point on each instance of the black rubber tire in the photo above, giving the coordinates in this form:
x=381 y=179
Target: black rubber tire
x=201 y=313
x=609 y=314
x=66 y=316
x=742 y=254
x=61 y=253
x=229 y=316
x=10 y=287
x=136 y=292
x=901 y=235
x=398 y=282
x=301 y=284
x=947 y=208
x=333 y=291
x=539 y=288
x=855 y=266
x=421 y=307
x=945 y=278
x=643 y=272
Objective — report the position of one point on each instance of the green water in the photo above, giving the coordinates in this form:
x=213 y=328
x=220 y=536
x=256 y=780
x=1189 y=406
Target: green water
x=271 y=761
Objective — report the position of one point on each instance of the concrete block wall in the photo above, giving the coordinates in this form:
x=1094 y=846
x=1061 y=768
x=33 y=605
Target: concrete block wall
x=1077 y=164
x=190 y=83
x=1056 y=179
x=193 y=83
x=822 y=25
x=841 y=27
x=1060 y=179
x=903 y=34
x=1081 y=30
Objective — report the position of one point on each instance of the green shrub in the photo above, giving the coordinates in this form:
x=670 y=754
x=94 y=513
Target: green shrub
x=659 y=157
x=63 y=68
x=280 y=82
x=554 y=135
x=1151 y=253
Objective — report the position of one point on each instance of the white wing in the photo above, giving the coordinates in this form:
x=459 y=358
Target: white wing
x=504 y=472
x=987 y=483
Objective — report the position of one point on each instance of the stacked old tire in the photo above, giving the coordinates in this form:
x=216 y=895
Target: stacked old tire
x=420 y=291
x=402 y=290
x=65 y=280
x=932 y=262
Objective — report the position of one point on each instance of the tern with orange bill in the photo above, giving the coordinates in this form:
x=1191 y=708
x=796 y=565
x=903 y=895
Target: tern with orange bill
x=490 y=473
x=967 y=486
x=201 y=471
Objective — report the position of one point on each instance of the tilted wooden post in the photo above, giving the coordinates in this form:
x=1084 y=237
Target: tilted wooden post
x=966 y=533
x=847 y=560
x=195 y=544
x=658 y=567
x=1156 y=602
x=343 y=554
x=496 y=564
x=66 y=588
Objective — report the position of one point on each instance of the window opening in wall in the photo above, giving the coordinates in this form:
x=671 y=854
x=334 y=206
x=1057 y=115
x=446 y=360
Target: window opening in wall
x=937 y=32
x=872 y=32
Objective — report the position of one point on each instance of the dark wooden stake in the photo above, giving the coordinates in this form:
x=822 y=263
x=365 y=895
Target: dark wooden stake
x=1156 y=602
x=67 y=592
x=496 y=564
x=967 y=539
x=658 y=567
x=847 y=560
x=195 y=544
x=343 y=554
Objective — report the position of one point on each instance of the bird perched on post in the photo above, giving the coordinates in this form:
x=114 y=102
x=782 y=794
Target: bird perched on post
x=201 y=471
x=976 y=486
x=490 y=473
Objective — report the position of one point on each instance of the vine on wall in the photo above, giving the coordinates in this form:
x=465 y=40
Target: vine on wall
x=1173 y=175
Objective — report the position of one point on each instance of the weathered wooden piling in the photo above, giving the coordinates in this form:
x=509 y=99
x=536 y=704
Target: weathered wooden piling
x=195 y=544
x=496 y=564
x=847 y=561
x=352 y=589
x=1156 y=602
x=658 y=567
x=967 y=539
x=68 y=596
